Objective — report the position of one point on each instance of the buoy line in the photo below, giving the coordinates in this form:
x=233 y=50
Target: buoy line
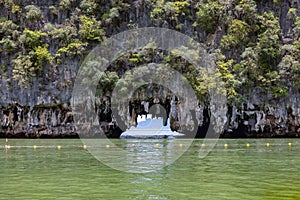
x=133 y=145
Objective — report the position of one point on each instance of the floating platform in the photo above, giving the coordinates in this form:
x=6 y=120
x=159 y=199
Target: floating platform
x=150 y=128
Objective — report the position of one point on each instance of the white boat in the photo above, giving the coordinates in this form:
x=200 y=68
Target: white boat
x=150 y=128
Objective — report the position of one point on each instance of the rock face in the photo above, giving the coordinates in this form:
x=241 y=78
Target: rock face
x=39 y=121
x=43 y=109
x=279 y=118
x=252 y=119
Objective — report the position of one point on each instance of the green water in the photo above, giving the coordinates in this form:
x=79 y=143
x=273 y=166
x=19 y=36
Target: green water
x=238 y=172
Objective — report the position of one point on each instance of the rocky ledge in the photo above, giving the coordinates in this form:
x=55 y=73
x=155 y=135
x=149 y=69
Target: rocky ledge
x=276 y=118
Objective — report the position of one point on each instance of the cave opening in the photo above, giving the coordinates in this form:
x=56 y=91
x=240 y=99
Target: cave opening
x=150 y=108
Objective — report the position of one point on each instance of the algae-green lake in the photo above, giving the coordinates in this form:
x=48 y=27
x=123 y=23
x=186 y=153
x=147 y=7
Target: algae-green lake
x=235 y=172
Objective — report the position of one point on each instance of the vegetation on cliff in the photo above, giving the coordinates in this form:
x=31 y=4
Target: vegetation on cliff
x=250 y=46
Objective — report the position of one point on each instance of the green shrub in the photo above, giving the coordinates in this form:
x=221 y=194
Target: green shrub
x=33 y=12
x=39 y=56
x=237 y=34
x=16 y=9
x=163 y=11
x=296 y=27
x=107 y=83
x=7 y=27
x=74 y=48
x=89 y=28
x=23 y=69
x=65 y=4
x=88 y=6
x=209 y=14
x=268 y=45
x=32 y=39
x=8 y=45
x=63 y=34
x=246 y=10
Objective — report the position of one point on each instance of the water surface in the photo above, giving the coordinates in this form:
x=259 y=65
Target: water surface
x=235 y=172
